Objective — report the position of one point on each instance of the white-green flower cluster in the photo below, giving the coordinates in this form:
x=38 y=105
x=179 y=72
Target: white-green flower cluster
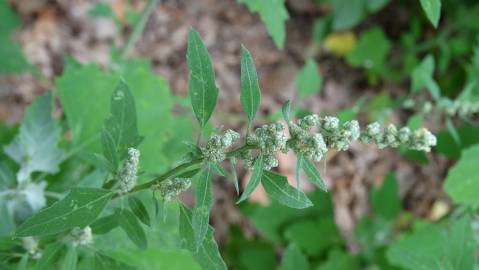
x=128 y=173
x=170 y=188
x=269 y=139
x=459 y=107
x=81 y=237
x=339 y=137
x=303 y=142
x=421 y=139
x=214 y=151
x=30 y=244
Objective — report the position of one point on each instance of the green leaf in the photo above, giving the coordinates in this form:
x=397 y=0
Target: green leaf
x=250 y=91
x=453 y=131
x=277 y=187
x=297 y=169
x=233 y=171
x=35 y=148
x=422 y=76
x=347 y=14
x=385 y=200
x=364 y=56
x=137 y=207
x=121 y=129
x=23 y=263
x=432 y=8
x=132 y=228
x=71 y=258
x=293 y=259
x=462 y=182
x=339 y=260
x=201 y=84
x=203 y=202
x=105 y=224
x=254 y=180
x=313 y=174
x=375 y=5
x=103 y=262
x=286 y=110
x=309 y=79
x=78 y=209
x=207 y=255
x=440 y=247
x=273 y=13
x=49 y=257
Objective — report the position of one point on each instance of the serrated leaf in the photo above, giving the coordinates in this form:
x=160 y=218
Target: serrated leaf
x=432 y=8
x=440 y=247
x=137 y=207
x=35 y=148
x=203 y=202
x=129 y=223
x=273 y=13
x=254 y=180
x=207 y=255
x=250 y=91
x=462 y=182
x=286 y=110
x=309 y=79
x=277 y=187
x=78 y=209
x=121 y=129
x=71 y=258
x=103 y=262
x=385 y=201
x=313 y=174
x=293 y=259
x=422 y=76
x=49 y=256
x=201 y=84
x=363 y=56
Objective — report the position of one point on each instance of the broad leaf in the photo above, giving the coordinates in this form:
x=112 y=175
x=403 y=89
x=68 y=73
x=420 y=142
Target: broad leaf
x=313 y=174
x=103 y=262
x=201 y=84
x=462 y=182
x=347 y=14
x=363 y=54
x=131 y=226
x=293 y=259
x=422 y=76
x=250 y=91
x=432 y=8
x=385 y=200
x=49 y=256
x=78 y=209
x=139 y=209
x=203 y=202
x=207 y=255
x=254 y=180
x=277 y=187
x=121 y=129
x=309 y=79
x=273 y=13
x=35 y=148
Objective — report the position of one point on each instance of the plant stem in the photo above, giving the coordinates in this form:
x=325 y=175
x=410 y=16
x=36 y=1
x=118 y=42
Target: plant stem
x=138 y=29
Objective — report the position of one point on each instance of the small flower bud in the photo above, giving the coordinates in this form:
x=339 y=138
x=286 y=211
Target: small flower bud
x=330 y=123
x=30 y=244
x=170 y=188
x=81 y=237
x=128 y=174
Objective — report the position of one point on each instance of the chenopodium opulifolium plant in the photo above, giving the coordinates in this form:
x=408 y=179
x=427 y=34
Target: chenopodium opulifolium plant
x=75 y=218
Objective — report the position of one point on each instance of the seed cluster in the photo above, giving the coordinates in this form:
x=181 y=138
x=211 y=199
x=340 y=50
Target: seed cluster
x=170 y=188
x=269 y=139
x=128 y=173
x=214 y=150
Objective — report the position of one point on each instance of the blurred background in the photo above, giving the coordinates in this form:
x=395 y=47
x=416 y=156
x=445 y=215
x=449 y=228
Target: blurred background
x=373 y=60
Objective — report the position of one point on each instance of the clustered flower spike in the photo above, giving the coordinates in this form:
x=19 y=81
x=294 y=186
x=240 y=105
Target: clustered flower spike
x=269 y=139
x=128 y=173
x=421 y=139
x=460 y=107
x=311 y=146
x=170 y=188
x=339 y=137
x=214 y=151
x=30 y=244
x=81 y=237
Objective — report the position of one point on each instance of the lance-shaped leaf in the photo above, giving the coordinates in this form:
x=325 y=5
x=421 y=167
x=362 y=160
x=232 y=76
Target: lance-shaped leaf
x=250 y=91
x=278 y=189
x=432 y=8
x=286 y=110
x=49 y=257
x=132 y=228
x=201 y=85
x=121 y=129
x=78 y=209
x=254 y=180
x=139 y=210
x=103 y=262
x=313 y=174
x=207 y=255
x=35 y=148
x=105 y=224
x=203 y=203
x=71 y=258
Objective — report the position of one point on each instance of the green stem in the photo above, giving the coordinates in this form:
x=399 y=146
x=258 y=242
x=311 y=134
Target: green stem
x=138 y=29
